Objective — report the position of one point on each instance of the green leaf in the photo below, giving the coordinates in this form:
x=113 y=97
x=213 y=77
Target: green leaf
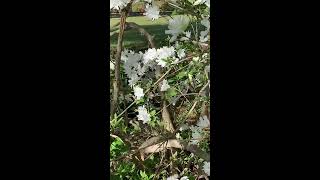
x=181 y=75
x=153 y=112
x=171 y=92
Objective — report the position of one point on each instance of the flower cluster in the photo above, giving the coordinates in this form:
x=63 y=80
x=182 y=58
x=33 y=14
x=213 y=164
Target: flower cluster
x=133 y=67
x=186 y=55
x=164 y=85
x=136 y=64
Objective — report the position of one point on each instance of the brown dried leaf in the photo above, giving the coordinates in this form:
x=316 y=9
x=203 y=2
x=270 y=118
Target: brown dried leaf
x=171 y=143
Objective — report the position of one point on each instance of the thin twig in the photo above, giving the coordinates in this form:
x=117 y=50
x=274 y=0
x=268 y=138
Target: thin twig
x=142 y=31
x=195 y=103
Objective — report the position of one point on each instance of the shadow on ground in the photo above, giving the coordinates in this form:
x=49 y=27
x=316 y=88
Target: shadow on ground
x=136 y=41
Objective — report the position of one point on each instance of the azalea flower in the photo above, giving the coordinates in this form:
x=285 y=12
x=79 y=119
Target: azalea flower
x=165 y=86
x=164 y=53
x=178 y=136
x=131 y=60
x=196 y=58
x=149 y=55
x=161 y=63
x=188 y=34
x=152 y=12
x=206 y=168
x=138 y=92
x=134 y=78
x=118 y=4
x=181 y=53
x=207 y=2
x=143 y=114
x=199 y=2
x=111 y=66
x=177 y=25
x=132 y=65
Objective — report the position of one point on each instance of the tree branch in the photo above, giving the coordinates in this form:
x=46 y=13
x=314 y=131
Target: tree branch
x=117 y=80
x=142 y=31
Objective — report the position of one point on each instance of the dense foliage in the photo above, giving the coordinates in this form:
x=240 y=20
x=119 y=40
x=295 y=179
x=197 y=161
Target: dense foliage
x=159 y=126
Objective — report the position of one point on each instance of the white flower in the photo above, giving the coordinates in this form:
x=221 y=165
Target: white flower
x=205 y=55
x=203 y=122
x=207 y=2
x=205 y=21
x=133 y=67
x=165 y=86
x=140 y=70
x=178 y=136
x=184 y=178
x=143 y=114
x=149 y=55
x=181 y=53
x=152 y=12
x=161 y=63
x=188 y=34
x=177 y=25
x=199 y=2
x=133 y=79
x=138 y=92
x=118 y=4
x=164 y=53
x=131 y=62
x=174 y=177
x=206 y=168
x=111 y=66
x=195 y=58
